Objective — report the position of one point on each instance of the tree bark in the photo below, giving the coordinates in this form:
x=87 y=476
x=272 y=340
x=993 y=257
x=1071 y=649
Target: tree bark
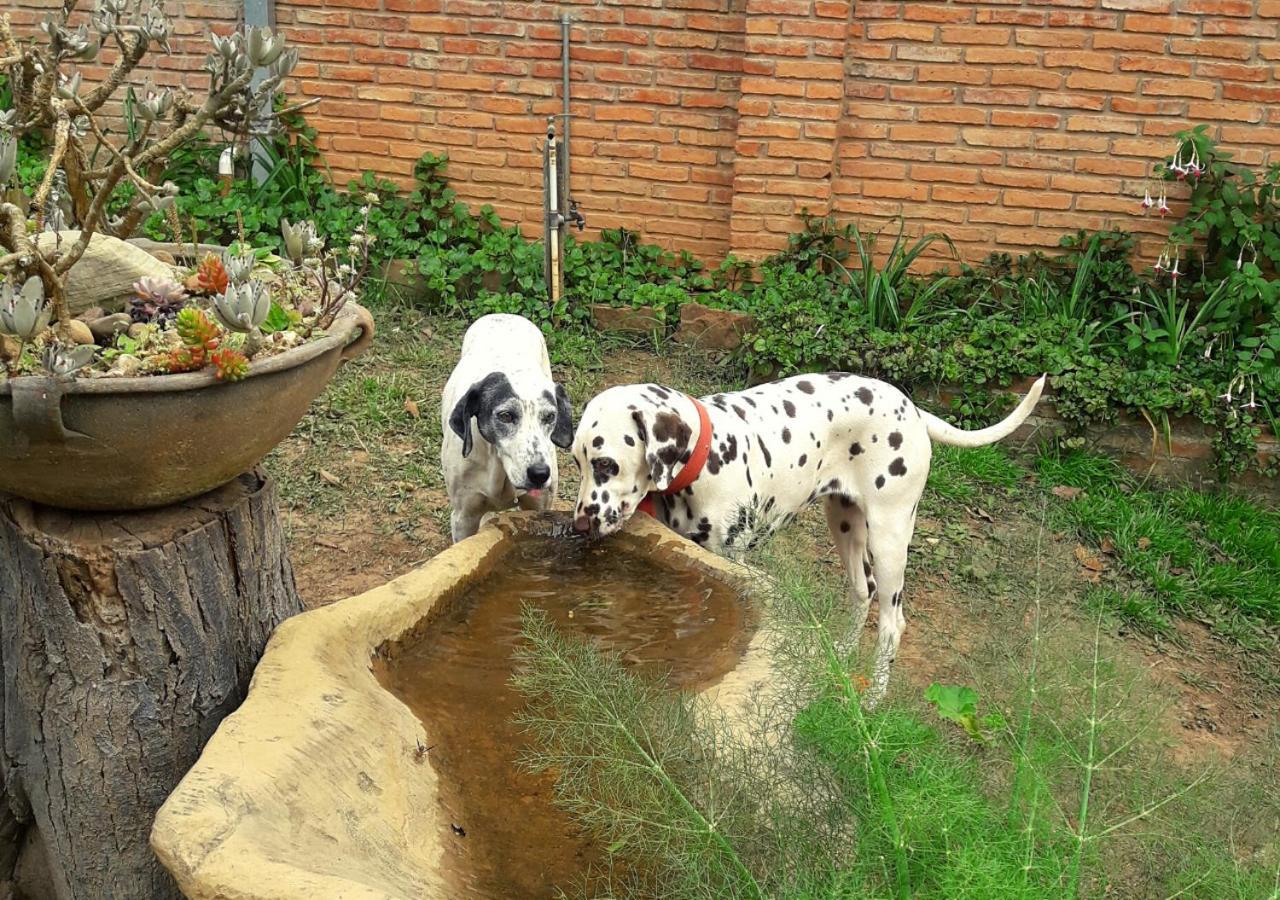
x=125 y=638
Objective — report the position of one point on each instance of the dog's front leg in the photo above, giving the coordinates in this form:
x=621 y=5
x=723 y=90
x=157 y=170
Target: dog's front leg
x=464 y=518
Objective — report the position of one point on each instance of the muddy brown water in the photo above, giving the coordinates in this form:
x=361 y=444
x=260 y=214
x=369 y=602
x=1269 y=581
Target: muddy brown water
x=504 y=837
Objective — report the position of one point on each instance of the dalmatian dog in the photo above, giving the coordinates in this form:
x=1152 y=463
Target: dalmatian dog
x=858 y=445
x=502 y=417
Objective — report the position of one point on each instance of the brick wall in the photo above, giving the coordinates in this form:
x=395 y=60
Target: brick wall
x=709 y=124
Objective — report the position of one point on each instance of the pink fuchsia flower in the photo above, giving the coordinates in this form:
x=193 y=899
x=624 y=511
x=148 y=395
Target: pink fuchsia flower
x=1147 y=202
x=1163 y=206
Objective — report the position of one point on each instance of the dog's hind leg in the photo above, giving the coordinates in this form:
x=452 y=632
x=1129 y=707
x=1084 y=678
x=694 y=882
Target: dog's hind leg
x=849 y=531
x=888 y=539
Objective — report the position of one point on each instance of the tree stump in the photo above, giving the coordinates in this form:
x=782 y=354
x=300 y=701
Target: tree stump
x=125 y=639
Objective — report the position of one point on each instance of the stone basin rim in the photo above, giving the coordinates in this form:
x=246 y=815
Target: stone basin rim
x=361 y=822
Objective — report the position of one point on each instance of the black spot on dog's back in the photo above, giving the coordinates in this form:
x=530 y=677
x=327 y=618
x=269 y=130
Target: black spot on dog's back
x=630 y=441
x=804 y=458
x=804 y=387
x=768 y=457
x=898 y=467
x=895 y=440
x=789 y=408
x=786 y=435
x=854 y=449
x=865 y=395
x=879 y=481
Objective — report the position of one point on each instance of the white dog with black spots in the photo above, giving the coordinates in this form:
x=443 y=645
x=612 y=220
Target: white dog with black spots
x=859 y=445
x=502 y=416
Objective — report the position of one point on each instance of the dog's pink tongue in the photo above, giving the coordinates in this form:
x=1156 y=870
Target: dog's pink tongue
x=534 y=492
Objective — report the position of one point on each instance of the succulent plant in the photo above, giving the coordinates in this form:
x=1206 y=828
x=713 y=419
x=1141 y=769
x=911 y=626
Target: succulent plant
x=239 y=266
x=62 y=360
x=23 y=312
x=264 y=47
x=8 y=158
x=197 y=331
x=229 y=365
x=153 y=105
x=243 y=307
x=158 y=299
x=299 y=240
x=209 y=278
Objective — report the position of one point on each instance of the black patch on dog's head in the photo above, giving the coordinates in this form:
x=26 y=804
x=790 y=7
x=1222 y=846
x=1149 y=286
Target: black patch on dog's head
x=603 y=468
x=479 y=403
x=854 y=449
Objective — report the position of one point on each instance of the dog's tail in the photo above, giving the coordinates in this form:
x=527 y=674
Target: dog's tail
x=944 y=433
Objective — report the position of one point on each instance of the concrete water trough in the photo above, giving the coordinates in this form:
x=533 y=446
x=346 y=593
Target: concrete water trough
x=375 y=755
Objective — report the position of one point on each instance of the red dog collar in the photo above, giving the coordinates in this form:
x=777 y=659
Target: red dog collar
x=693 y=468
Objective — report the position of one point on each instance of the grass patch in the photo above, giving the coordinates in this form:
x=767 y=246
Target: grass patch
x=961 y=475
x=1211 y=557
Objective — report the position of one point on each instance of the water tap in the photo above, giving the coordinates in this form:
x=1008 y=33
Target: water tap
x=575 y=216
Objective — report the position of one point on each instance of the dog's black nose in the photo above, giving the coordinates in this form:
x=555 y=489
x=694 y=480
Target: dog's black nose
x=538 y=474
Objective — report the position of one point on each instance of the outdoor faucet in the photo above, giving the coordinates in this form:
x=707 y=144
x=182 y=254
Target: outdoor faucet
x=575 y=216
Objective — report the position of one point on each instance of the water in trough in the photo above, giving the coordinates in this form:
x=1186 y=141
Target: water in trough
x=506 y=839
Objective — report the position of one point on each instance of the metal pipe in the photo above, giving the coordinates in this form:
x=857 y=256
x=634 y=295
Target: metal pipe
x=555 y=219
x=565 y=24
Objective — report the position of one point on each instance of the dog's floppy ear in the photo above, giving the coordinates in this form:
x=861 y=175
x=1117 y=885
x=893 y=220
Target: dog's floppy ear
x=562 y=434
x=463 y=412
x=667 y=446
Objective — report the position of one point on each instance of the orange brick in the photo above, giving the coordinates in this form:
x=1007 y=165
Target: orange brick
x=951 y=194
x=932 y=134
x=1096 y=62
x=1219 y=49
x=1159 y=24
x=898 y=31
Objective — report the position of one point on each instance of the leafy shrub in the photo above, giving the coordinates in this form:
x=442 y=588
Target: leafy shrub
x=1233 y=214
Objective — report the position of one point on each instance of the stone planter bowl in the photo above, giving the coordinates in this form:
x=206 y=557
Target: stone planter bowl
x=135 y=443
x=314 y=788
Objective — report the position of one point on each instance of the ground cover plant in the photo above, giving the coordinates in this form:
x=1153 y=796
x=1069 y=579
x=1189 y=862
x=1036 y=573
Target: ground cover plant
x=1197 y=335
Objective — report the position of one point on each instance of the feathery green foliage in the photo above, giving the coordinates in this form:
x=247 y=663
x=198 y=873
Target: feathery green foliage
x=802 y=793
